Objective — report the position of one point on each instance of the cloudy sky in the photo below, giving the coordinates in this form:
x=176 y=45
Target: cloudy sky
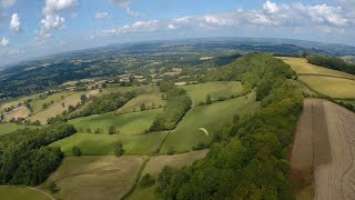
x=34 y=28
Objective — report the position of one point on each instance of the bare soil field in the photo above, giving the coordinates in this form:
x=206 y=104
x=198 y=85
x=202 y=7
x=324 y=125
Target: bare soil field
x=322 y=155
x=19 y=112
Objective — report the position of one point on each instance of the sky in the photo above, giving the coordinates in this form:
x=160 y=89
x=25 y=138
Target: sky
x=35 y=28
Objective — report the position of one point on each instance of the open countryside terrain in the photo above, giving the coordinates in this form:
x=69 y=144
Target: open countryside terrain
x=21 y=193
x=324 y=149
x=326 y=82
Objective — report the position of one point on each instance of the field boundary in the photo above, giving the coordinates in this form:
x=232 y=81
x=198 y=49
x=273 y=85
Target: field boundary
x=42 y=192
x=326 y=75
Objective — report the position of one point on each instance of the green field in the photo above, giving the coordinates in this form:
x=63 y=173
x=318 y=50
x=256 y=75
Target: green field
x=152 y=100
x=212 y=117
x=6 y=128
x=134 y=123
x=301 y=66
x=157 y=163
x=95 y=178
x=329 y=86
x=199 y=92
x=21 y=193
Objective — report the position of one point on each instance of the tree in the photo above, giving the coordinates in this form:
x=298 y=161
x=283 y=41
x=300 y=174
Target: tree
x=147 y=181
x=143 y=107
x=76 y=151
x=83 y=98
x=208 y=99
x=52 y=187
x=112 y=130
x=118 y=149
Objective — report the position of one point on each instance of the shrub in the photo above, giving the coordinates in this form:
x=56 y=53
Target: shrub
x=76 y=151
x=147 y=181
x=118 y=149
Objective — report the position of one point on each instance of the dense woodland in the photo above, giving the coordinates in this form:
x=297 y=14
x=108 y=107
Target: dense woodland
x=25 y=157
x=332 y=63
x=251 y=163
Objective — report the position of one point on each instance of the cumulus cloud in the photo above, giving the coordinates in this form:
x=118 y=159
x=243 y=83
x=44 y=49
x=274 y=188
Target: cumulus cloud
x=15 y=23
x=52 y=19
x=271 y=15
x=102 y=15
x=4 y=42
x=126 y=5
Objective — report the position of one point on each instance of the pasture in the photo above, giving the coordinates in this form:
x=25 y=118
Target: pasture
x=103 y=144
x=6 y=128
x=21 y=193
x=216 y=90
x=95 y=178
x=20 y=112
x=134 y=123
x=151 y=100
x=157 y=163
x=301 y=66
x=334 y=87
x=190 y=132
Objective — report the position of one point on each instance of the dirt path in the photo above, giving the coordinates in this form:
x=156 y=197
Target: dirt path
x=323 y=149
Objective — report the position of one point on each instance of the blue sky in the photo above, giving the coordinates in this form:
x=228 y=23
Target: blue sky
x=40 y=27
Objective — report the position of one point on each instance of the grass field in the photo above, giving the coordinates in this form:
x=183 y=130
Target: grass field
x=212 y=118
x=149 y=100
x=199 y=92
x=333 y=87
x=95 y=178
x=157 y=163
x=103 y=144
x=6 y=128
x=301 y=66
x=61 y=102
x=21 y=193
x=134 y=123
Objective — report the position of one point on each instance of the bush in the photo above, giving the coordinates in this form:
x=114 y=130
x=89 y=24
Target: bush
x=118 y=149
x=76 y=151
x=147 y=181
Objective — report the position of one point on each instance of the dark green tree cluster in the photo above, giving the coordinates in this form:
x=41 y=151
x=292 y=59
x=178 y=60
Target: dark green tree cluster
x=252 y=163
x=25 y=157
x=332 y=63
x=178 y=103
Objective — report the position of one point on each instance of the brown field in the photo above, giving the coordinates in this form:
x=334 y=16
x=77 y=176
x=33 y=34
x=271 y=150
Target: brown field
x=322 y=154
x=91 y=178
x=19 y=112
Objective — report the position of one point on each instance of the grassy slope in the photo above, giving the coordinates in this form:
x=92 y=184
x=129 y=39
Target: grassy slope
x=104 y=177
x=199 y=92
x=6 y=128
x=333 y=87
x=20 y=193
x=147 y=99
x=211 y=117
x=301 y=66
x=157 y=163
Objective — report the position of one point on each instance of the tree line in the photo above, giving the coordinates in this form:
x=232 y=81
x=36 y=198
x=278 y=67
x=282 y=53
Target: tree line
x=26 y=159
x=178 y=103
x=252 y=161
x=332 y=63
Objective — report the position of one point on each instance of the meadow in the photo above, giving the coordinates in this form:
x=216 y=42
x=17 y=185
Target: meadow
x=301 y=66
x=21 y=193
x=6 y=128
x=216 y=90
x=96 y=178
x=213 y=118
x=333 y=87
x=150 y=100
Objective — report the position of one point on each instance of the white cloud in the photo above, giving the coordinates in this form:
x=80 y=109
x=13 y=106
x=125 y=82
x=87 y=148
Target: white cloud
x=7 y=3
x=126 y=5
x=271 y=7
x=52 y=20
x=102 y=15
x=15 y=22
x=138 y=26
x=4 y=42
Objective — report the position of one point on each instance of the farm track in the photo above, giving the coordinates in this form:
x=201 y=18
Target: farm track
x=324 y=147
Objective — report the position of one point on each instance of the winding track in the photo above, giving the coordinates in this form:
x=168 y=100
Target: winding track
x=325 y=145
